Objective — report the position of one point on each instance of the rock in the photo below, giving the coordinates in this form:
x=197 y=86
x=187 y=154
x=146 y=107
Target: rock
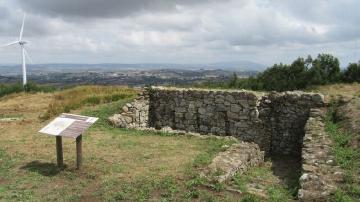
x=202 y=110
x=330 y=162
x=318 y=182
x=125 y=109
x=237 y=158
x=235 y=108
x=318 y=99
x=134 y=114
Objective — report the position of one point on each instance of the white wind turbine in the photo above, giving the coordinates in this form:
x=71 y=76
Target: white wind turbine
x=24 y=52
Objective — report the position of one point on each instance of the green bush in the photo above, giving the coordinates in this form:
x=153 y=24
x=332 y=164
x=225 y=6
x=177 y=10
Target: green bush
x=352 y=73
x=9 y=89
x=94 y=100
x=300 y=74
x=6 y=89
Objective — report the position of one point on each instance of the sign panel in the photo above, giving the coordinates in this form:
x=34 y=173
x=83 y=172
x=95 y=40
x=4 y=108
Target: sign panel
x=57 y=126
x=68 y=125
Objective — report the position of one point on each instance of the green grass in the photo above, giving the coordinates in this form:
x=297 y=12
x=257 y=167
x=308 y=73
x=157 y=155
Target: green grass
x=104 y=111
x=347 y=157
x=263 y=178
x=7 y=89
x=139 y=189
x=144 y=187
x=35 y=176
x=164 y=188
x=119 y=164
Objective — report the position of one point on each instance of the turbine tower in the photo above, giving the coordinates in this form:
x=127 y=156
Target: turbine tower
x=25 y=55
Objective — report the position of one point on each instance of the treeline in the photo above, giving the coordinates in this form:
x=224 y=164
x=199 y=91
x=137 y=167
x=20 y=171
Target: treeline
x=300 y=74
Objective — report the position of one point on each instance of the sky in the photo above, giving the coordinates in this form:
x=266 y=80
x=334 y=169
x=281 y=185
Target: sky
x=180 y=31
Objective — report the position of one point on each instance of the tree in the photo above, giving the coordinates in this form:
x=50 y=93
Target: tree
x=302 y=73
x=352 y=73
x=275 y=78
x=325 y=69
x=233 y=80
x=298 y=74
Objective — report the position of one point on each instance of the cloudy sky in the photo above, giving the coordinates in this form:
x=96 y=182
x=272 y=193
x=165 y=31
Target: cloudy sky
x=180 y=31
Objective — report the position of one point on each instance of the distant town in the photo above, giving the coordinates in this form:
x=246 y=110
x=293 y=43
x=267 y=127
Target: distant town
x=112 y=74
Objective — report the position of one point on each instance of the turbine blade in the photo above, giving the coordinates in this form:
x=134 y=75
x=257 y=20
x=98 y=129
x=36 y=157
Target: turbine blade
x=28 y=56
x=9 y=44
x=22 y=28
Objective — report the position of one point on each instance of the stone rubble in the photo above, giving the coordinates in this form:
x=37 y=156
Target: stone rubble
x=134 y=114
x=238 y=158
x=320 y=173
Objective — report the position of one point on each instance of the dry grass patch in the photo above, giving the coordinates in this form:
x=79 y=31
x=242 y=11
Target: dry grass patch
x=335 y=91
x=28 y=105
x=74 y=98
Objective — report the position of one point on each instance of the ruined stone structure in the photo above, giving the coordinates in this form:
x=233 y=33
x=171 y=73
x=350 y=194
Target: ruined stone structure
x=275 y=121
x=134 y=114
x=320 y=174
x=287 y=123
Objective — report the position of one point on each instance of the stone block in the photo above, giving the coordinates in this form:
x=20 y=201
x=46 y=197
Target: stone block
x=235 y=108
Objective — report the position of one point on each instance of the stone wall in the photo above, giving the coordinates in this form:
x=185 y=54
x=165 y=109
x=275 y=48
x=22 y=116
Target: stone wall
x=285 y=118
x=223 y=113
x=274 y=121
x=320 y=175
x=134 y=114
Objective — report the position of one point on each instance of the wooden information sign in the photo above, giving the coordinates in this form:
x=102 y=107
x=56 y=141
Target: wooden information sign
x=68 y=125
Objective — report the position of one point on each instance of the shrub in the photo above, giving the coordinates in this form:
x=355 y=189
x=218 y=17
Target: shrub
x=6 y=89
x=352 y=73
x=9 y=89
x=300 y=74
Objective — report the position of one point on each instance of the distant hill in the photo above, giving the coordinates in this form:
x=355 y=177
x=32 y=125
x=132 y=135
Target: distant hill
x=242 y=65
x=108 y=67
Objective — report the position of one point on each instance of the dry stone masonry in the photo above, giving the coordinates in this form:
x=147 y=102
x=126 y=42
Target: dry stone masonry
x=134 y=114
x=320 y=173
x=287 y=123
x=275 y=121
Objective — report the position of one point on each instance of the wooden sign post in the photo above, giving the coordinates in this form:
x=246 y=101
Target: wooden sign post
x=78 y=151
x=68 y=125
x=59 y=151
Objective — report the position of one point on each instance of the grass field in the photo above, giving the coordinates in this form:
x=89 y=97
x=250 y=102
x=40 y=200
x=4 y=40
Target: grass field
x=343 y=130
x=336 y=91
x=118 y=164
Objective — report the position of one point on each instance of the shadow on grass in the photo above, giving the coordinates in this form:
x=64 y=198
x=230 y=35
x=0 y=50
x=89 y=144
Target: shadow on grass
x=288 y=169
x=45 y=169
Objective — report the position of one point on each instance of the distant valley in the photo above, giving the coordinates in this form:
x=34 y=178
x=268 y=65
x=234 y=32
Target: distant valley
x=127 y=74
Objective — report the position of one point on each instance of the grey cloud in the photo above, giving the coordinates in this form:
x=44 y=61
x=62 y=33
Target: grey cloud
x=4 y=12
x=35 y=26
x=341 y=17
x=101 y=8
x=153 y=30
